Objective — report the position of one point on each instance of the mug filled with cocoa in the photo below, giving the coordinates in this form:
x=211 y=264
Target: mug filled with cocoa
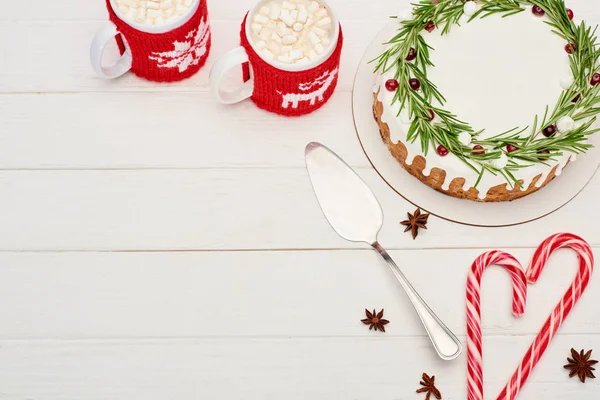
x=159 y=40
x=290 y=57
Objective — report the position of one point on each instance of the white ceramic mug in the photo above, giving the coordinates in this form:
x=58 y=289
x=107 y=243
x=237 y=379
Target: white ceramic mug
x=149 y=51
x=275 y=86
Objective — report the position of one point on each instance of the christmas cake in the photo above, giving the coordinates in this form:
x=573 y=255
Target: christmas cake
x=488 y=101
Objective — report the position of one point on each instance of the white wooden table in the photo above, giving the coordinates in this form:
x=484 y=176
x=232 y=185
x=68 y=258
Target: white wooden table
x=156 y=245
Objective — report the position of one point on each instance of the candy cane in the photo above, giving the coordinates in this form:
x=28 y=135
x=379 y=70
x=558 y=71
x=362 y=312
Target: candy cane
x=562 y=309
x=474 y=339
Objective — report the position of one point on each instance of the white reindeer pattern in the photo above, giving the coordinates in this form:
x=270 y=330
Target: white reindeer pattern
x=325 y=81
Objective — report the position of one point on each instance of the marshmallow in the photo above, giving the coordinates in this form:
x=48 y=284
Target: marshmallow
x=287 y=18
x=154 y=13
x=274 y=47
x=261 y=45
x=289 y=39
x=302 y=16
x=285 y=59
x=319 y=31
x=288 y=31
x=324 y=22
x=256 y=27
x=265 y=34
x=268 y=54
x=296 y=54
x=275 y=12
x=261 y=19
x=313 y=7
x=314 y=39
x=321 y=13
x=284 y=32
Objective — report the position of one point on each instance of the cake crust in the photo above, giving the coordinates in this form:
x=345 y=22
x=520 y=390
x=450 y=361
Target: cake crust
x=437 y=176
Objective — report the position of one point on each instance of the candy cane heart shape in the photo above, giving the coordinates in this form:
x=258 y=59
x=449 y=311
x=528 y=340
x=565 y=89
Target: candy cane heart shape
x=562 y=309
x=474 y=336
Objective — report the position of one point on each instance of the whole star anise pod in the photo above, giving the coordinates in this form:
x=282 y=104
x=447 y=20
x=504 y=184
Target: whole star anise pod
x=428 y=384
x=581 y=365
x=375 y=320
x=414 y=222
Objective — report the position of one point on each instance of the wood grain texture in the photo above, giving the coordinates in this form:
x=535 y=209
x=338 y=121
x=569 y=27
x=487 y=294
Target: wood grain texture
x=296 y=369
x=263 y=294
x=157 y=245
x=226 y=209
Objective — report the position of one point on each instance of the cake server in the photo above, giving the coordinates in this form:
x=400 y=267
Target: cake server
x=356 y=215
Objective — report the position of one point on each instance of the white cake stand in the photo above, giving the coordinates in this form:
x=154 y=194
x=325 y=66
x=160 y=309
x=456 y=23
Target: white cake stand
x=556 y=194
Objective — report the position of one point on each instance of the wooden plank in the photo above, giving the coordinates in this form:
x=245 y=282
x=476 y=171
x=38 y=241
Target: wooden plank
x=264 y=294
x=26 y=68
x=72 y=10
x=318 y=369
x=164 y=130
x=224 y=210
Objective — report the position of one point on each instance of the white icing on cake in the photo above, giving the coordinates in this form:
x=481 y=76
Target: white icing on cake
x=496 y=74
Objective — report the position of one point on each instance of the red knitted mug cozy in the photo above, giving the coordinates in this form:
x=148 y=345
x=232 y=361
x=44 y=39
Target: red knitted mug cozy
x=170 y=56
x=291 y=93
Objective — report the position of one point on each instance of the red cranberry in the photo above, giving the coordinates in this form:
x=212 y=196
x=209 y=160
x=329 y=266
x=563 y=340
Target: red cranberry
x=538 y=11
x=414 y=83
x=442 y=151
x=480 y=151
x=431 y=115
x=430 y=26
x=545 y=151
x=576 y=98
x=435 y=2
x=510 y=148
x=570 y=13
x=412 y=54
x=595 y=79
x=391 y=85
x=549 y=130
x=571 y=48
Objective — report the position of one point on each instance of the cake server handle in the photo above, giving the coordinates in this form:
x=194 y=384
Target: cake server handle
x=444 y=341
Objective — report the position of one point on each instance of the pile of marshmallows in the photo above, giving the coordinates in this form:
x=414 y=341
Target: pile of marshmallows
x=292 y=31
x=153 y=12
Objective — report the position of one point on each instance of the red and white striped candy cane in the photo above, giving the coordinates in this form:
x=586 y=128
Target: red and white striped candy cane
x=562 y=309
x=474 y=339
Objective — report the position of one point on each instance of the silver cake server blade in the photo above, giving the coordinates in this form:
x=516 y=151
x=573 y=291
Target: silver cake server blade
x=355 y=214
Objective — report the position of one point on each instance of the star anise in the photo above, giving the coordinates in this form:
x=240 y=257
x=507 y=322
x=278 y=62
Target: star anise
x=428 y=384
x=581 y=365
x=414 y=222
x=375 y=320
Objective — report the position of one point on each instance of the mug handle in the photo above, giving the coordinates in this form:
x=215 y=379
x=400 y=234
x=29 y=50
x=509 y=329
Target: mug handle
x=232 y=58
x=104 y=35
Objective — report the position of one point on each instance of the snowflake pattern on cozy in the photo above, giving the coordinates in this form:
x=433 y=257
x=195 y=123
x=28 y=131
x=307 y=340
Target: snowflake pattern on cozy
x=323 y=83
x=185 y=53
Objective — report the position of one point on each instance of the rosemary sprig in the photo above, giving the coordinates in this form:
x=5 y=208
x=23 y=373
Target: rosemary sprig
x=580 y=102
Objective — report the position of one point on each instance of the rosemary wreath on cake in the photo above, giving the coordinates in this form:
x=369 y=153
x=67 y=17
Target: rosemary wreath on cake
x=564 y=128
